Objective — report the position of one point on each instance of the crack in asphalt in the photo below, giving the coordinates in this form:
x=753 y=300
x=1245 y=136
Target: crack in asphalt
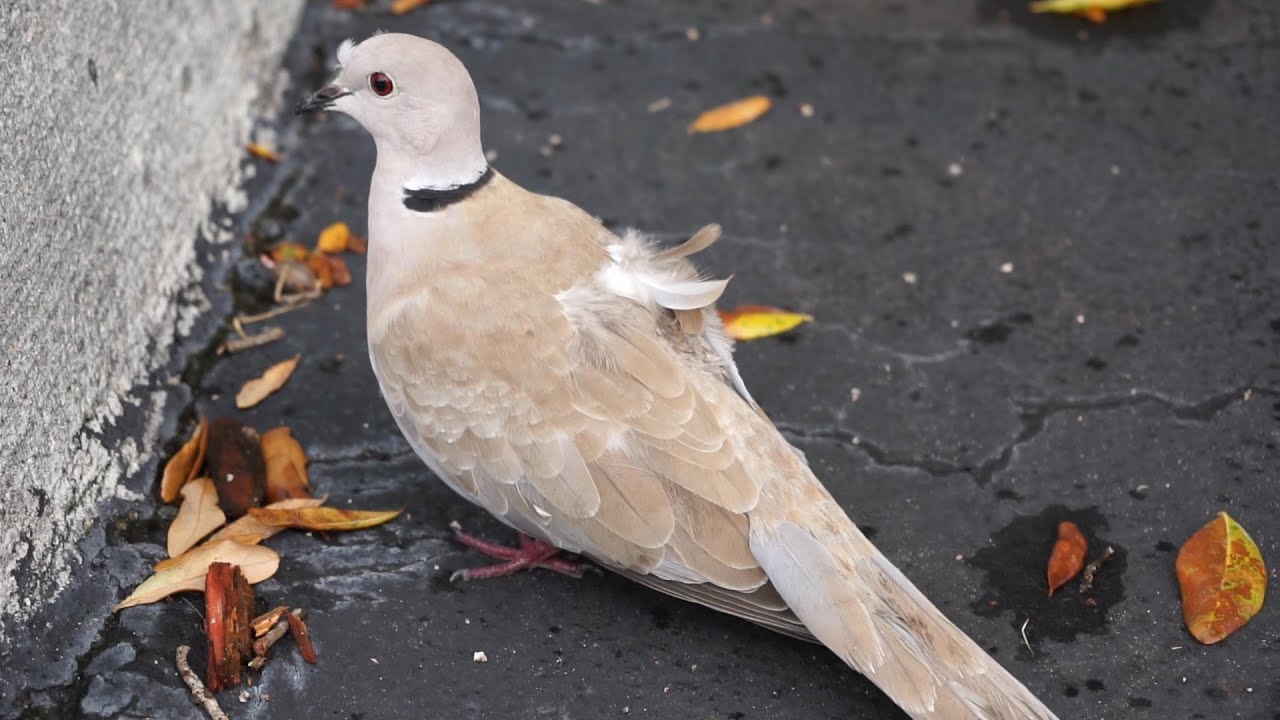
x=1033 y=417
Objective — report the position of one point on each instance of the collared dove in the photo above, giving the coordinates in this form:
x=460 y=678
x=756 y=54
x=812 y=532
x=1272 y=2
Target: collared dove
x=578 y=385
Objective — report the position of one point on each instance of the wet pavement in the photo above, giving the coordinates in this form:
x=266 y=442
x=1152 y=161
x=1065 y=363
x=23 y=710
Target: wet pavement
x=1043 y=259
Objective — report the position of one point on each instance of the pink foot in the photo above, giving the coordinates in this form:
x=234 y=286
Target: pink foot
x=531 y=554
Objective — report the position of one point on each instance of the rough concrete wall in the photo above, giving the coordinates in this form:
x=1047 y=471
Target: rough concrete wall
x=121 y=123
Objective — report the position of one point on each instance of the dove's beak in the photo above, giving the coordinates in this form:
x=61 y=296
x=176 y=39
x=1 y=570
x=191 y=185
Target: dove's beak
x=323 y=99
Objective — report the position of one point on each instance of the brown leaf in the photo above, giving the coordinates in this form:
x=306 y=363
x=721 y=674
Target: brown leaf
x=185 y=464
x=187 y=571
x=341 y=273
x=257 y=390
x=236 y=466
x=286 y=465
x=1222 y=578
x=357 y=244
x=731 y=115
x=249 y=530
x=323 y=518
x=319 y=266
x=229 y=602
x=1067 y=559
x=262 y=151
x=198 y=516
x=400 y=7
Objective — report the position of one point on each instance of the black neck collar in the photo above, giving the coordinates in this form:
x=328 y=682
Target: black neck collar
x=428 y=200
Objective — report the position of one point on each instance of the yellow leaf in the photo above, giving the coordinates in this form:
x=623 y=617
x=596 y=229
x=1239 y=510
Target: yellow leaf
x=289 y=250
x=250 y=531
x=262 y=151
x=187 y=571
x=334 y=239
x=1095 y=10
x=323 y=518
x=198 y=516
x=731 y=115
x=752 y=322
x=1222 y=578
x=400 y=7
x=185 y=464
x=257 y=389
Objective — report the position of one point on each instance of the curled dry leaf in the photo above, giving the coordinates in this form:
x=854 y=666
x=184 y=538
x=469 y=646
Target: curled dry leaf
x=400 y=7
x=323 y=518
x=236 y=466
x=752 y=322
x=1094 y=10
x=286 y=465
x=731 y=115
x=198 y=516
x=257 y=389
x=250 y=531
x=263 y=152
x=1223 y=579
x=1067 y=559
x=228 y=603
x=187 y=571
x=185 y=464
x=334 y=239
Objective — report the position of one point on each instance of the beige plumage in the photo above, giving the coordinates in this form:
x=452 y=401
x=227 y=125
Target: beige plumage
x=578 y=385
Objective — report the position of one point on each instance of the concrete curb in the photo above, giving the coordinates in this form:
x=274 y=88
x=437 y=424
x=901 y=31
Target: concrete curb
x=129 y=129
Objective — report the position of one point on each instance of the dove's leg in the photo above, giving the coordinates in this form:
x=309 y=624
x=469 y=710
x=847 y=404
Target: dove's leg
x=531 y=554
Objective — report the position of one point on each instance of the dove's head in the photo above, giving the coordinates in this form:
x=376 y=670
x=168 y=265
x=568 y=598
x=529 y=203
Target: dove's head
x=417 y=101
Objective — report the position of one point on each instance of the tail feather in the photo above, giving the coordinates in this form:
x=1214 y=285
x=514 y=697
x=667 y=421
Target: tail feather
x=867 y=612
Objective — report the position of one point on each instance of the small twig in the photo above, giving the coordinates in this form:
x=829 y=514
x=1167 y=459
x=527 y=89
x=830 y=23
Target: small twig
x=264 y=643
x=200 y=695
x=244 y=342
x=1025 y=641
x=1086 y=579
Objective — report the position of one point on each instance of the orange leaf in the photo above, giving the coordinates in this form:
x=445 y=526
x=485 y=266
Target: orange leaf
x=1223 y=579
x=257 y=389
x=357 y=244
x=752 y=322
x=198 y=516
x=400 y=7
x=185 y=464
x=289 y=250
x=286 y=465
x=731 y=115
x=323 y=518
x=187 y=571
x=319 y=266
x=1067 y=559
x=251 y=531
x=334 y=239
x=348 y=4
x=262 y=151
x=341 y=273
x=1092 y=10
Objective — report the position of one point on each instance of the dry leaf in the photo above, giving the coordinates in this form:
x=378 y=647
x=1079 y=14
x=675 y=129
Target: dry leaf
x=262 y=151
x=400 y=7
x=236 y=466
x=198 y=516
x=357 y=244
x=1094 y=10
x=731 y=115
x=323 y=518
x=187 y=571
x=752 y=322
x=1067 y=559
x=289 y=250
x=319 y=266
x=1222 y=577
x=249 y=530
x=341 y=273
x=228 y=603
x=185 y=464
x=334 y=239
x=286 y=465
x=257 y=390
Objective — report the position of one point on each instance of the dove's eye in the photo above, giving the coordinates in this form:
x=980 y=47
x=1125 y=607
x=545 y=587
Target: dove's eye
x=380 y=84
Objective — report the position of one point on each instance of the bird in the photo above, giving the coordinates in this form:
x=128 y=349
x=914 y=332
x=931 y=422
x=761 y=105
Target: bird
x=578 y=385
